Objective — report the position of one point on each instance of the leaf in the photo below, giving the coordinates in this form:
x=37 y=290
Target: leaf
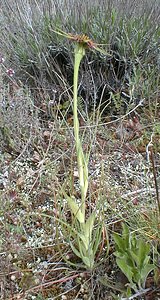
x=145 y=272
x=126 y=235
x=88 y=226
x=127 y=270
x=85 y=234
x=88 y=261
x=86 y=254
x=84 y=239
x=96 y=239
x=75 y=209
x=135 y=258
x=76 y=252
x=120 y=243
x=143 y=251
x=140 y=253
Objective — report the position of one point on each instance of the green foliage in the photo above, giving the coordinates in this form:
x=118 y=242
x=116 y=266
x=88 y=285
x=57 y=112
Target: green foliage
x=86 y=241
x=75 y=209
x=132 y=257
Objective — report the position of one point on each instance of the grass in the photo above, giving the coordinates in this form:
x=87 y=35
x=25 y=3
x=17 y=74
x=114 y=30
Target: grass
x=118 y=110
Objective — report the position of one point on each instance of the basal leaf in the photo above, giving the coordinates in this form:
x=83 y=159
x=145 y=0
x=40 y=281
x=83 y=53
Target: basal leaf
x=76 y=252
x=145 y=272
x=75 y=209
x=135 y=258
x=143 y=251
x=120 y=243
x=88 y=227
x=96 y=239
x=84 y=240
x=125 y=234
x=125 y=269
x=88 y=261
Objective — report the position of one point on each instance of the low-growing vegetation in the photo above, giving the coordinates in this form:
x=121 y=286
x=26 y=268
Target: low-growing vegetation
x=79 y=150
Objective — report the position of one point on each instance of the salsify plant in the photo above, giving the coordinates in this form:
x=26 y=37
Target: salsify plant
x=86 y=242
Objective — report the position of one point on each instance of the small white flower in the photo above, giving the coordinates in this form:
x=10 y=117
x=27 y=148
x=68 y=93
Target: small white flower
x=1 y=60
x=10 y=72
x=13 y=277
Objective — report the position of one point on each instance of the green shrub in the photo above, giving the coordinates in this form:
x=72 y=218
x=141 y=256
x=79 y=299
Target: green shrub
x=133 y=258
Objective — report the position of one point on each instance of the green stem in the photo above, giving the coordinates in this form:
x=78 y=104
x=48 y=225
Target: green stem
x=79 y=53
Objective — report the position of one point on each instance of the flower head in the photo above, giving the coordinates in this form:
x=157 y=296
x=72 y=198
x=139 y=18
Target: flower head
x=82 y=39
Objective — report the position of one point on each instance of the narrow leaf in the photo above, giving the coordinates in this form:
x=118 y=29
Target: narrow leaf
x=96 y=239
x=126 y=235
x=84 y=239
x=120 y=243
x=76 y=252
x=88 y=227
x=75 y=209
